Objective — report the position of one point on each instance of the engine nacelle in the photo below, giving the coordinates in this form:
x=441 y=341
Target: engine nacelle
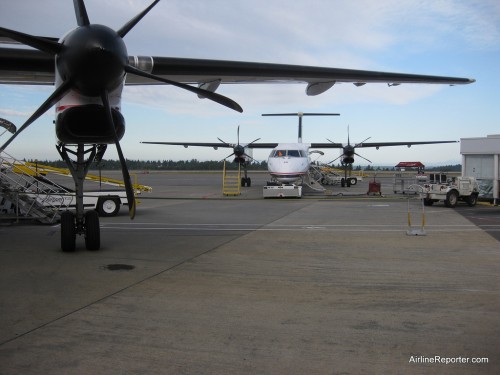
x=88 y=124
x=348 y=160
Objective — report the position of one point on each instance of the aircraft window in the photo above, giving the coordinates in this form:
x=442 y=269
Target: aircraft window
x=279 y=153
x=294 y=153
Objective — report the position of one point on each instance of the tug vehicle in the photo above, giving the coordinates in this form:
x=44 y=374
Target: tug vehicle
x=450 y=190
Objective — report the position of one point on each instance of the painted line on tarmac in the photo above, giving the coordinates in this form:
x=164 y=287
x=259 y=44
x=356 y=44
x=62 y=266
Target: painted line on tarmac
x=285 y=227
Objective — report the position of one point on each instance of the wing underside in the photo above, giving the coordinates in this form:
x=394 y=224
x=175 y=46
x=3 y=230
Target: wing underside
x=26 y=66
x=214 y=145
x=378 y=144
x=312 y=145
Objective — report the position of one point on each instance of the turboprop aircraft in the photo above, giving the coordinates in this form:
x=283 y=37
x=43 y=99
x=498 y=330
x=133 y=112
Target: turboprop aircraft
x=241 y=152
x=290 y=162
x=348 y=152
x=89 y=67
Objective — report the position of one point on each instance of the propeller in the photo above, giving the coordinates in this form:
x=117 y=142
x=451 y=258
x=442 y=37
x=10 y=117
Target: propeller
x=93 y=58
x=238 y=149
x=349 y=151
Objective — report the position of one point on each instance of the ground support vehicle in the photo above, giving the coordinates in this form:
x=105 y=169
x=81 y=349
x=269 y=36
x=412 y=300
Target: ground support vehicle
x=327 y=175
x=26 y=192
x=282 y=191
x=106 y=202
x=455 y=189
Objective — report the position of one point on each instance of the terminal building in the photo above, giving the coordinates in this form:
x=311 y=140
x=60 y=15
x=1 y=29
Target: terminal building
x=480 y=159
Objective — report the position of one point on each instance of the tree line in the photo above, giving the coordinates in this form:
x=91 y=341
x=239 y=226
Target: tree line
x=212 y=165
x=161 y=165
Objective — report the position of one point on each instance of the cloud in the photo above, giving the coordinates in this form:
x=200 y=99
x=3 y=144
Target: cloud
x=13 y=113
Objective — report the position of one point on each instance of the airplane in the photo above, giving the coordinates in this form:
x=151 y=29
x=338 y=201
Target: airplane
x=241 y=152
x=89 y=67
x=348 y=152
x=289 y=163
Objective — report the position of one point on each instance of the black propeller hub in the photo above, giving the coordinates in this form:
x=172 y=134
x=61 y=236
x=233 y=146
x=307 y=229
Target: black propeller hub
x=94 y=58
x=349 y=151
x=239 y=150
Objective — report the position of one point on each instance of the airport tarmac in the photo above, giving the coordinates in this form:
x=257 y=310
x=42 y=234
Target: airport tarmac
x=199 y=283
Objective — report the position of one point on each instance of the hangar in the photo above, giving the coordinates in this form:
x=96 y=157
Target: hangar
x=480 y=159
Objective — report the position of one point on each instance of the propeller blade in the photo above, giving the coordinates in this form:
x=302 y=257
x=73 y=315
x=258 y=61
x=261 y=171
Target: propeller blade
x=39 y=43
x=126 y=175
x=81 y=13
x=362 y=157
x=238 y=134
x=248 y=156
x=255 y=140
x=130 y=24
x=228 y=144
x=207 y=94
x=330 y=162
x=360 y=143
x=228 y=156
x=51 y=100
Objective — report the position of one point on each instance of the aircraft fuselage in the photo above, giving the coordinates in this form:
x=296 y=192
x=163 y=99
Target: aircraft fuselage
x=289 y=162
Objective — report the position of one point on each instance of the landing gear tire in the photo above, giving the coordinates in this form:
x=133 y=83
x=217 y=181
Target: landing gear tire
x=92 y=231
x=246 y=181
x=68 y=232
x=451 y=199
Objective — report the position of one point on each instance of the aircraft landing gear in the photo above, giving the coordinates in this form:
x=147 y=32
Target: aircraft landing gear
x=245 y=180
x=81 y=222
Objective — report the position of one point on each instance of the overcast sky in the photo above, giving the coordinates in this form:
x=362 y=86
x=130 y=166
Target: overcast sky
x=452 y=38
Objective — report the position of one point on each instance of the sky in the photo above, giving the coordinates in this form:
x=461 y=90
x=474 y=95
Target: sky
x=436 y=37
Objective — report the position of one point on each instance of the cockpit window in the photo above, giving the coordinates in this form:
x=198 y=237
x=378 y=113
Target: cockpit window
x=289 y=153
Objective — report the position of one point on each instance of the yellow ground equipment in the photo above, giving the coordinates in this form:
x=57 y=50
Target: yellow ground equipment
x=231 y=181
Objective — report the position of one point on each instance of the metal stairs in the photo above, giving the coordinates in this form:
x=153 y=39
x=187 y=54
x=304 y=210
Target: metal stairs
x=231 y=181
x=27 y=194
x=311 y=184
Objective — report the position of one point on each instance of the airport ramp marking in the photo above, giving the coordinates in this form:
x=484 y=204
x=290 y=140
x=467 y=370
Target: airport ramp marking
x=225 y=227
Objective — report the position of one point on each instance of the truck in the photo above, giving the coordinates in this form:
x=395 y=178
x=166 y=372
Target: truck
x=450 y=190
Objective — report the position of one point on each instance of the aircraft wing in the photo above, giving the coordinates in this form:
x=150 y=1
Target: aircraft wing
x=215 y=145
x=378 y=144
x=26 y=66
x=187 y=144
